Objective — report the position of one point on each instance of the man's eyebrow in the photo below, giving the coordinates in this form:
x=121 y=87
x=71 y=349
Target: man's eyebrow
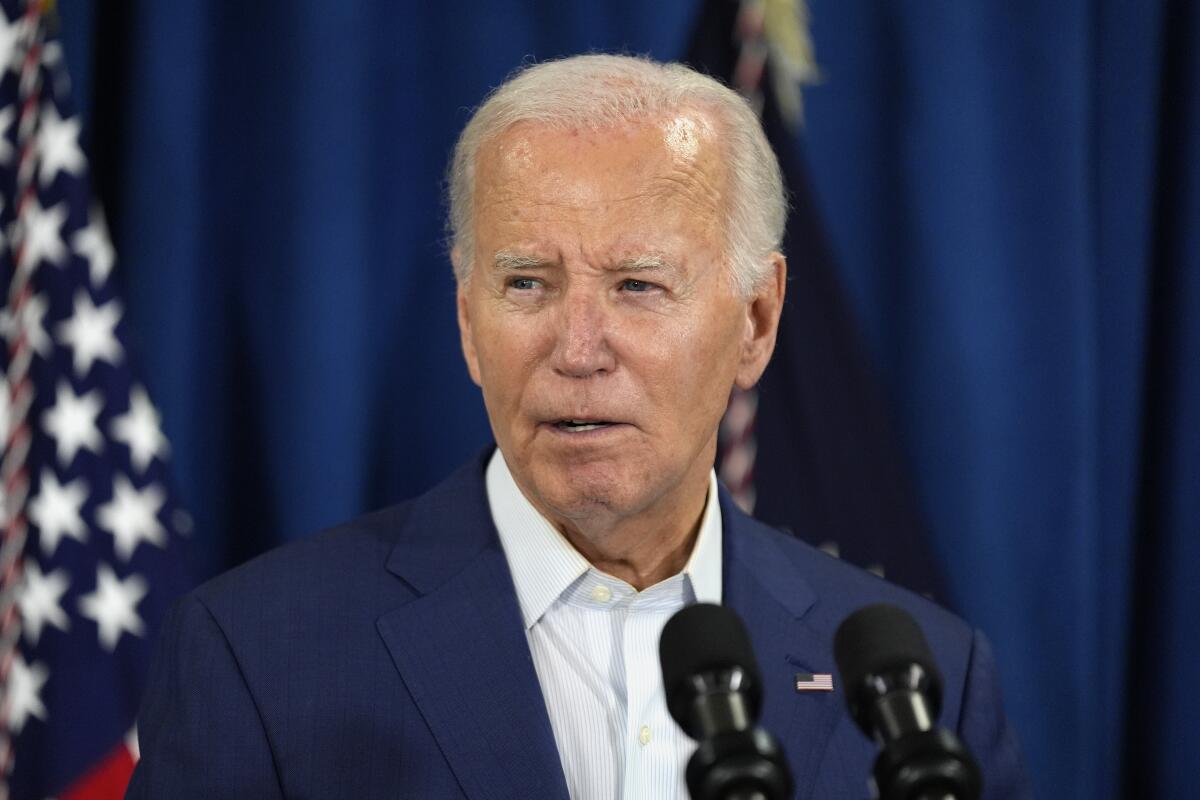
x=505 y=261
x=646 y=264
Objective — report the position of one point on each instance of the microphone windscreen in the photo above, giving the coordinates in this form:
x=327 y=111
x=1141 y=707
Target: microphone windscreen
x=878 y=640
x=705 y=638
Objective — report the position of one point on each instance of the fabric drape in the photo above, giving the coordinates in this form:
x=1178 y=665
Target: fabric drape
x=1011 y=191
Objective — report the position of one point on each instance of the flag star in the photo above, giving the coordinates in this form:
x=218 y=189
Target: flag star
x=132 y=517
x=58 y=144
x=10 y=35
x=24 y=687
x=43 y=233
x=139 y=427
x=91 y=332
x=113 y=606
x=30 y=320
x=131 y=742
x=51 y=54
x=55 y=510
x=41 y=600
x=94 y=244
x=7 y=115
x=71 y=421
x=52 y=58
x=5 y=409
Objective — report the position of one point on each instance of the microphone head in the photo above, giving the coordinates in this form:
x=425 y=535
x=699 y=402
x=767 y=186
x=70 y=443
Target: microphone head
x=883 y=642
x=705 y=638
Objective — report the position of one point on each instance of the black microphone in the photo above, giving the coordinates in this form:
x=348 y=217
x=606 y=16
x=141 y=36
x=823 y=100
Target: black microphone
x=714 y=691
x=894 y=693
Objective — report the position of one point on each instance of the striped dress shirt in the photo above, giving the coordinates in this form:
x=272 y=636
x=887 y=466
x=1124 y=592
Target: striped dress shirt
x=594 y=642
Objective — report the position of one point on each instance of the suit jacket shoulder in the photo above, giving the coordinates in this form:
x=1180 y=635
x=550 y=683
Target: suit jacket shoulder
x=275 y=679
x=793 y=597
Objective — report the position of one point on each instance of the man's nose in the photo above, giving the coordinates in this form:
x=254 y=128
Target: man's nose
x=582 y=347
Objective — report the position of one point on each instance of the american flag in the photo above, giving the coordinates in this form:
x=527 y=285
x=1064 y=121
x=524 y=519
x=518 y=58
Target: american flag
x=92 y=549
x=805 y=447
x=814 y=682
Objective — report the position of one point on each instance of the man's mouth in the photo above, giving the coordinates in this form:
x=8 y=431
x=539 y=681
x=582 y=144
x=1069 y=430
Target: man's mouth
x=582 y=425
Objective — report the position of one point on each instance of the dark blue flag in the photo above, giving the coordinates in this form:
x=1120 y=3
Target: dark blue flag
x=824 y=461
x=92 y=552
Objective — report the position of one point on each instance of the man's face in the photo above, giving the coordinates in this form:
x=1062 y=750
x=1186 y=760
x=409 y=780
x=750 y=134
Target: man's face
x=599 y=318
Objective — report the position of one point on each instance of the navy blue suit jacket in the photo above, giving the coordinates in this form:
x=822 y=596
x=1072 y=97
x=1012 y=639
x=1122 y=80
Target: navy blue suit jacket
x=387 y=658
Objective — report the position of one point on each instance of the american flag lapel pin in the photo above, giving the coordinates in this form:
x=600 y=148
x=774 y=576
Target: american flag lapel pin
x=814 y=682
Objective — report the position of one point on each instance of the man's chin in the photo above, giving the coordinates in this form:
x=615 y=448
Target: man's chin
x=581 y=491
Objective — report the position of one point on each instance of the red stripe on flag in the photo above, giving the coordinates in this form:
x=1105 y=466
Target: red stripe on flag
x=105 y=781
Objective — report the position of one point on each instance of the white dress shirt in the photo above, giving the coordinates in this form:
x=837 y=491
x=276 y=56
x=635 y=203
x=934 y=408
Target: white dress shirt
x=594 y=641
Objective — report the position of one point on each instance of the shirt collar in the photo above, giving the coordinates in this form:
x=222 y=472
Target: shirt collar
x=544 y=564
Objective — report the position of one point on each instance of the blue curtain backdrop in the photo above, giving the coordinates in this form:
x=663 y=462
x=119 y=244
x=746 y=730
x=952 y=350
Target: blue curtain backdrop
x=1012 y=190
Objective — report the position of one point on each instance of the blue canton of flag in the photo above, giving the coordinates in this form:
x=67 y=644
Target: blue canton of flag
x=92 y=553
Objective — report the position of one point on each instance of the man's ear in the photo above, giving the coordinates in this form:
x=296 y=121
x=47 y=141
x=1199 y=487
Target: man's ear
x=762 y=323
x=464 y=324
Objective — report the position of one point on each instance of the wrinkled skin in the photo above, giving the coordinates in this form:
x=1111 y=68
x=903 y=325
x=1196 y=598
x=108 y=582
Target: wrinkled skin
x=600 y=292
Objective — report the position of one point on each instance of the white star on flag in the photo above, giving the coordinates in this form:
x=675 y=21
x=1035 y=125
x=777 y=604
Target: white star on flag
x=5 y=415
x=55 y=510
x=94 y=244
x=41 y=600
x=7 y=115
x=31 y=321
x=43 y=233
x=113 y=606
x=58 y=144
x=10 y=34
x=72 y=422
x=139 y=427
x=132 y=517
x=25 y=684
x=91 y=332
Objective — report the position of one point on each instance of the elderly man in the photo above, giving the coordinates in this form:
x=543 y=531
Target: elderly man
x=616 y=231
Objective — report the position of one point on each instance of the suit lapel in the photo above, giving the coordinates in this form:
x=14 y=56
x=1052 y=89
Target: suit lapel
x=460 y=648
x=762 y=586
x=460 y=645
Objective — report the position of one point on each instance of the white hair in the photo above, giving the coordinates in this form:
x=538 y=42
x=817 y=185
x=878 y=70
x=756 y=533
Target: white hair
x=595 y=92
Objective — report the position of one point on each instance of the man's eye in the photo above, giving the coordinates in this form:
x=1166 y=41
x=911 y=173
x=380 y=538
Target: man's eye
x=523 y=284
x=631 y=285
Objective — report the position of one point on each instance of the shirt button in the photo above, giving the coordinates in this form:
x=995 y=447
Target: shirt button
x=601 y=594
x=644 y=735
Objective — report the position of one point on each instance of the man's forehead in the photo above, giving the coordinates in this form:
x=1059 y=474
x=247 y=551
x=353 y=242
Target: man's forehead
x=685 y=136
x=660 y=162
